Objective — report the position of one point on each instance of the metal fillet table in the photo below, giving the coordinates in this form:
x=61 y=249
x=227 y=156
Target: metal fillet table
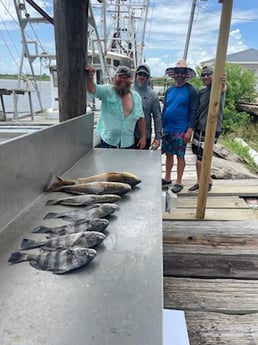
x=118 y=298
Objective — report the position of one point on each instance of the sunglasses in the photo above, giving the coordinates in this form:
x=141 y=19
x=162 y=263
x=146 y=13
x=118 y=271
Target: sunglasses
x=206 y=74
x=180 y=71
x=142 y=74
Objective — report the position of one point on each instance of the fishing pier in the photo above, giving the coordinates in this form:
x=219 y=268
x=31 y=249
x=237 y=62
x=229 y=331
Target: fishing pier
x=210 y=266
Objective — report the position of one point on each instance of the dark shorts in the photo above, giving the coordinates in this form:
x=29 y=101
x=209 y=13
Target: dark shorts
x=198 y=143
x=103 y=145
x=174 y=144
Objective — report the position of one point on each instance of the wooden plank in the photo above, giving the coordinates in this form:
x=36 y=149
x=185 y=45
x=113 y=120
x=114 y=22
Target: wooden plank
x=210 y=266
x=210 y=237
x=213 y=202
x=217 y=329
x=239 y=228
x=228 y=296
x=213 y=214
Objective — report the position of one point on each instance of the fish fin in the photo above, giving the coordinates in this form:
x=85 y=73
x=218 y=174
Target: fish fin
x=34 y=264
x=17 y=257
x=29 y=244
x=41 y=229
x=51 y=202
x=49 y=249
x=59 y=271
x=50 y=215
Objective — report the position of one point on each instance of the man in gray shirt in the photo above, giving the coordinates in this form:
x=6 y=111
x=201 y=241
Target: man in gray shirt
x=201 y=120
x=151 y=107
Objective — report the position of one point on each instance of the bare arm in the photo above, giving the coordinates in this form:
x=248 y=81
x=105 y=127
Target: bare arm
x=91 y=86
x=142 y=127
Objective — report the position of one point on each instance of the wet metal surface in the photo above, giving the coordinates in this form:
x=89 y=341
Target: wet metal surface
x=117 y=299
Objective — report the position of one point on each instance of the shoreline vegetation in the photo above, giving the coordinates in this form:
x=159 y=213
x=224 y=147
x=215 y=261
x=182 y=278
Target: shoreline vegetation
x=43 y=77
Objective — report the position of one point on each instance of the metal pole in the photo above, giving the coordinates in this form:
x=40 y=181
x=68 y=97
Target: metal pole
x=189 y=29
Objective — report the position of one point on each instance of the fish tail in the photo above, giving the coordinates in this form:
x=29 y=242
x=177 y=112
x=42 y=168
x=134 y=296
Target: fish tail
x=53 y=182
x=50 y=215
x=17 y=257
x=41 y=229
x=29 y=244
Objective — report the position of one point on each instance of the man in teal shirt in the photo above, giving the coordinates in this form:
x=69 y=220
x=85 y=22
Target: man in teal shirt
x=121 y=110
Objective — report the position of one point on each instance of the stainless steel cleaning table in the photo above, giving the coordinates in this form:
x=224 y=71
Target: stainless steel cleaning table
x=117 y=299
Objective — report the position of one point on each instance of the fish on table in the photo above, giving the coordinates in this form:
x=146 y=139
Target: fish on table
x=95 y=224
x=59 y=261
x=88 y=239
x=85 y=200
x=97 y=188
x=55 y=181
x=88 y=212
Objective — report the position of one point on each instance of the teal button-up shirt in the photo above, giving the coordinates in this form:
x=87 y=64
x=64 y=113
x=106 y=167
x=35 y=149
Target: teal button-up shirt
x=113 y=127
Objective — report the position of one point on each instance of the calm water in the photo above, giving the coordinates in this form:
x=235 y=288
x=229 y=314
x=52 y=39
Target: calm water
x=23 y=102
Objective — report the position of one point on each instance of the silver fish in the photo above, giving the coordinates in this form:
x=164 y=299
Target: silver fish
x=88 y=212
x=122 y=177
x=59 y=261
x=95 y=224
x=85 y=200
x=88 y=239
x=100 y=187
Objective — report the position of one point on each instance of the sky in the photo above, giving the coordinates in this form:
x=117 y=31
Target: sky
x=165 y=35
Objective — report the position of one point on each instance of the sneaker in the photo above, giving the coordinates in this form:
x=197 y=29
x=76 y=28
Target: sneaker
x=194 y=187
x=209 y=187
x=165 y=182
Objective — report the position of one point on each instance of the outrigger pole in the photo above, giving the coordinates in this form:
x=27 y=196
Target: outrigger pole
x=214 y=106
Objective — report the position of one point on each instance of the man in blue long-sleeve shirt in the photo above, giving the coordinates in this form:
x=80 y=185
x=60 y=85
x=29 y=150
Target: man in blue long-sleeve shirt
x=178 y=118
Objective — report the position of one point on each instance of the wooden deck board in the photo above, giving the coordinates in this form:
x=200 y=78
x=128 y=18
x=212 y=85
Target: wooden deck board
x=227 y=296
x=206 y=328
x=211 y=265
x=213 y=214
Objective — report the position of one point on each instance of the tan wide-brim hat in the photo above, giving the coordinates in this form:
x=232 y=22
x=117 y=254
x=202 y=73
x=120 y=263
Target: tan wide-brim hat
x=171 y=71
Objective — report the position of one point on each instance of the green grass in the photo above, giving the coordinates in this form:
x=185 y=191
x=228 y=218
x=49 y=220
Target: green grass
x=250 y=135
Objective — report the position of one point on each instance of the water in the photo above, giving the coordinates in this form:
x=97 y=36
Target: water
x=23 y=101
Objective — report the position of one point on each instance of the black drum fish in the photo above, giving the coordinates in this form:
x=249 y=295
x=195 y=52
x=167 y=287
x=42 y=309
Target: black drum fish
x=95 y=224
x=58 y=261
x=88 y=212
x=88 y=239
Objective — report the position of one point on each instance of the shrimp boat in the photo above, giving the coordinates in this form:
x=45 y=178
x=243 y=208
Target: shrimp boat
x=116 y=33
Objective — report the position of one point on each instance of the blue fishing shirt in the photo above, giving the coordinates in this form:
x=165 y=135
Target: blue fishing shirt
x=180 y=106
x=113 y=127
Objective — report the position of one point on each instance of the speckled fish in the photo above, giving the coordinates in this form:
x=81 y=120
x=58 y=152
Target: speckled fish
x=119 y=177
x=95 y=224
x=59 y=261
x=88 y=212
x=85 y=200
x=88 y=239
x=97 y=188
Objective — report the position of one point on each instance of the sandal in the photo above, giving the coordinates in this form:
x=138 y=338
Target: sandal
x=177 y=188
x=194 y=187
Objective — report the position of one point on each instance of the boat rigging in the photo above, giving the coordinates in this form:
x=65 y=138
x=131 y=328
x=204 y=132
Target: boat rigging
x=116 y=33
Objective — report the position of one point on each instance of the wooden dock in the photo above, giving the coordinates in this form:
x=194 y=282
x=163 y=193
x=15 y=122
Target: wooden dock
x=211 y=265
